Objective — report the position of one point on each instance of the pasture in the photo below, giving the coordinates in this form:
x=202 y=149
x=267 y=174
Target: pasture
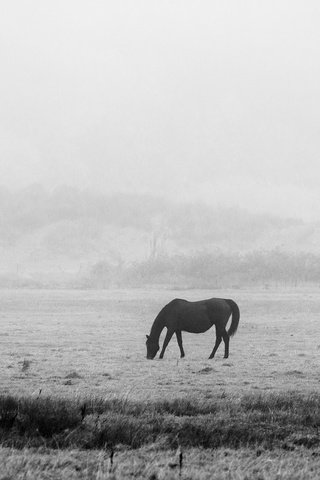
x=81 y=345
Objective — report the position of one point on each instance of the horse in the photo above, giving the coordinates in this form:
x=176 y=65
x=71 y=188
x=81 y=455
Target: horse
x=194 y=317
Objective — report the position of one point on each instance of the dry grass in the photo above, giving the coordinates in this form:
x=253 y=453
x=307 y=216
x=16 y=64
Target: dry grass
x=67 y=346
x=98 y=337
x=152 y=464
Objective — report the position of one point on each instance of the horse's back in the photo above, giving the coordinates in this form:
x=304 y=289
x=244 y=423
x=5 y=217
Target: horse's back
x=196 y=317
x=216 y=304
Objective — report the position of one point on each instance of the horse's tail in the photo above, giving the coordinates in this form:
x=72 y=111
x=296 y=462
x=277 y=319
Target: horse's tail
x=235 y=317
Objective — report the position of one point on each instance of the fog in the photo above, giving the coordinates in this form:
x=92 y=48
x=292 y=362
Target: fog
x=212 y=101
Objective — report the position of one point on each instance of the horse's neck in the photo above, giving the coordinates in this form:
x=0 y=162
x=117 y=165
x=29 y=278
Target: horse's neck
x=156 y=329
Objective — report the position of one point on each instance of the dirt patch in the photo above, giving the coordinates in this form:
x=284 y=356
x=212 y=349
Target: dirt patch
x=294 y=373
x=73 y=375
x=205 y=370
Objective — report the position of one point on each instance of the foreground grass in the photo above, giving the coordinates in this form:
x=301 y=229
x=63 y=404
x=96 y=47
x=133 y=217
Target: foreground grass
x=150 y=463
x=268 y=421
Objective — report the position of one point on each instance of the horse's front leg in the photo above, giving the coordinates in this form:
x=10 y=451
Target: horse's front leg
x=179 y=339
x=166 y=341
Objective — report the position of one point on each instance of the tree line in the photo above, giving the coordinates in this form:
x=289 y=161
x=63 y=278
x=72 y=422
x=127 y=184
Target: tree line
x=214 y=270
x=203 y=270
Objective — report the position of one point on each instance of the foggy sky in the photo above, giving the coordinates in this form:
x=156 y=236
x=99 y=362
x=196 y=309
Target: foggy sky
x=209 y=100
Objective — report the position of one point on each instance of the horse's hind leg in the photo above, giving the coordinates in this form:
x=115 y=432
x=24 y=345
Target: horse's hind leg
x=166 y=341
x=218 y=341
x=225 y=337
x=179 y=339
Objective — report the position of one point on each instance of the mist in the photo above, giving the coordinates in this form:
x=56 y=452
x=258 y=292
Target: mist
x=142 y=142
x=213 y=102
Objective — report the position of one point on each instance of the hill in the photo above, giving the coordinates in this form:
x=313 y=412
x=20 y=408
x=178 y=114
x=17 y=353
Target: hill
x=68 y=231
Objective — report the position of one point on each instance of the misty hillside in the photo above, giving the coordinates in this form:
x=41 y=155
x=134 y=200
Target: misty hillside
x=69 y=230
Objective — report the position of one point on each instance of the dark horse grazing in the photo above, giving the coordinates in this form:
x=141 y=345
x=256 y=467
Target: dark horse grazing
x=194 y=317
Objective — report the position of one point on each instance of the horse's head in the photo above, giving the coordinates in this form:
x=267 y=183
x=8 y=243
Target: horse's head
x=152 y=348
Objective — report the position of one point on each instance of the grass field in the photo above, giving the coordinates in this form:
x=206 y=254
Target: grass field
x=82 y=345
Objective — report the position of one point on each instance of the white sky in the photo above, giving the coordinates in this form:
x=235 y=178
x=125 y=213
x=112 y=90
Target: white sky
x=212 y=100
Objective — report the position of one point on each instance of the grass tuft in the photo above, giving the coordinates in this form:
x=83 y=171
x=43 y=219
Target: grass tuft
x=259 y=421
